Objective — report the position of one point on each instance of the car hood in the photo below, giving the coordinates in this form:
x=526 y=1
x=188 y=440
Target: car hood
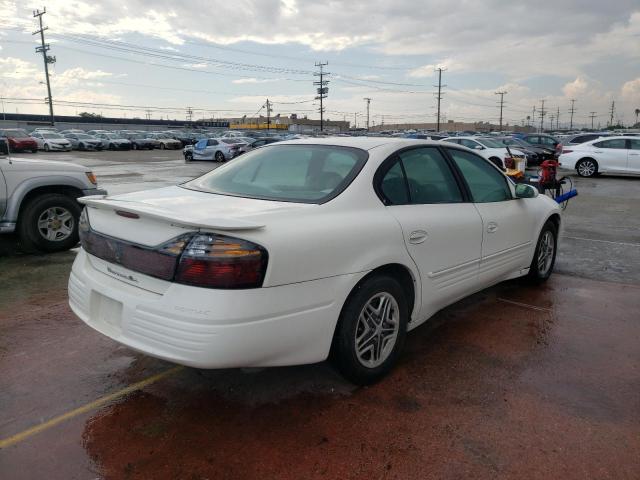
x=29 y=165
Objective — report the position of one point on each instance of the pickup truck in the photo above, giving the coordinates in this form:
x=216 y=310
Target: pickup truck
x=38 y=201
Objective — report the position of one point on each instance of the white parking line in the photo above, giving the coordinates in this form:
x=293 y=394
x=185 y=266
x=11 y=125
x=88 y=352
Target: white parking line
x=526 y=305
x=604 y=241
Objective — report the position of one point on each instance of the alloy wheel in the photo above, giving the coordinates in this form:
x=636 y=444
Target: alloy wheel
x=545 y=252
x=377 y=330
x=56 y=224
x=587 y=168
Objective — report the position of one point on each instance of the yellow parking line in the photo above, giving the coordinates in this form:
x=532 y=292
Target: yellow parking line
x=19 y=437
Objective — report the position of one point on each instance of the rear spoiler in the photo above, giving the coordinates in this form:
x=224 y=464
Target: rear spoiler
x=149 y=211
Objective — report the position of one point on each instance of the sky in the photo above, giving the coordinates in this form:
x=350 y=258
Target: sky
x=157 y=58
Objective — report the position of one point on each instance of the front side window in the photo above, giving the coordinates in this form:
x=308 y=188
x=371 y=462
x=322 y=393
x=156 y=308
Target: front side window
x=469 y=143
x=615 y=143
x=485 y=183
x=294 y=173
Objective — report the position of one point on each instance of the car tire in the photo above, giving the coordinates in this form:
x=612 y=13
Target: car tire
x=219 y=156
x=162 y=146
x=81 y=146
x=112 y=146
x=349 y=356
x=46 y=147
x=587 y=167
x=33 y=235
x=544 y=257
x=134 y=146
x=188 y=157
x=34 y=150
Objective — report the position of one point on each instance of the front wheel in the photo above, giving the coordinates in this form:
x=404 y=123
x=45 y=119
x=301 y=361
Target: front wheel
x=46 y=147
x=49 y=223
x=587 y=167
x=112 y=146
x=162 y=146
x=134 y=146
x=81 y=147
x=544 y=257
x=371 y=330
x=219 y=157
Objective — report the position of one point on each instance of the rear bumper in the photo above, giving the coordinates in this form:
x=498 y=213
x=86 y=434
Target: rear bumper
x=208 y=328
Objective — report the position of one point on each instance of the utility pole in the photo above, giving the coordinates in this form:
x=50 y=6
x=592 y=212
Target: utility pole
x=355 y=119
x=502 y=94
x=557 y=119
x=268 y=107
x=439 y=96
x=612 y=112
x=542 y=114
x=533 y=116
x=572 y=110
x=368 y=100
x=44 y=48
x=322 y=89
x=148 y=114
x=189 y=114
x=593 y=115
x=551 y=117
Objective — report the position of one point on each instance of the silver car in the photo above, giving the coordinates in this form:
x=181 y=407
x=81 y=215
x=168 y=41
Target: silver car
x=82 y=141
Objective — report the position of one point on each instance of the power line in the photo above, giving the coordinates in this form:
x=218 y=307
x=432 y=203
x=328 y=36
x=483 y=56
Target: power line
x=44 y=48
x=502 y=94
x=439 y=97
x=322 y=89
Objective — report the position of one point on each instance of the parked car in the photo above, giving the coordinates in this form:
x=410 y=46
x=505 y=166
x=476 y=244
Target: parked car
x=51 y=141
x=165 y=141
x=542 y=140
x=114 y=141
x=582 y=138
x=38 y=200
x=82 y=141
x=142 y=141
x=218 y=149
x=618 y=155
x=489 y=148
x=19 y=140
x=260 y=142
x=535 y=155
x=306 y=250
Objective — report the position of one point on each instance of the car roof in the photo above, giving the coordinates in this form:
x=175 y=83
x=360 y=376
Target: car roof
x=363 y=143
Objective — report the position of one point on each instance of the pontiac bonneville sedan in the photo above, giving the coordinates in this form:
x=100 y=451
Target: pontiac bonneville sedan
x=306 y=250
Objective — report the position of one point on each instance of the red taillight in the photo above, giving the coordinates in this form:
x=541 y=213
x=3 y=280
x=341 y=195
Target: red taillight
x=218 y=261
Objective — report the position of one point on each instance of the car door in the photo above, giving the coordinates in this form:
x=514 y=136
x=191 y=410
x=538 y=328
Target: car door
x=612 y=155
x=633 y=159
x=39 y=139
x=442 y=230
x=508 y=236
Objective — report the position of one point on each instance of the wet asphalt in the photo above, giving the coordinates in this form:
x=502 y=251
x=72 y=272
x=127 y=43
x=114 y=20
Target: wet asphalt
x=514 y=382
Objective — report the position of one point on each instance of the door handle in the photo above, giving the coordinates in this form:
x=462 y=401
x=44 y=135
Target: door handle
x=634 y=154
x=417 y=236
x=492 y=227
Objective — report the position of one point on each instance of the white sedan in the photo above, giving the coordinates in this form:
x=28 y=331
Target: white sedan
x=217 y=149
x=489 y=148
x=617 y=155
x=49 y=141
x=306 y=250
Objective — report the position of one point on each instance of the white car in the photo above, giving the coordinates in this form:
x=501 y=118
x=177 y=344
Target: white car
x=617 y=155
x=165 y=141
x=218 y=149
x=304 y=250
x=50 y=141
x=489 y=148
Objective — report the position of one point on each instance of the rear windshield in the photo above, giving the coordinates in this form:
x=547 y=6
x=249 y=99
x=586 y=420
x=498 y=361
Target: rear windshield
x=291 y=173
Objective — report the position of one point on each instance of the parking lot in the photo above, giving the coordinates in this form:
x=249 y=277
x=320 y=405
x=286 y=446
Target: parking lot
x=515 y=381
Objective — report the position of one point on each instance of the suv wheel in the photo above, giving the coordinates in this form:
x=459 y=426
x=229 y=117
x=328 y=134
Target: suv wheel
x=371 y=330
x=587 y=167
x=49 y=223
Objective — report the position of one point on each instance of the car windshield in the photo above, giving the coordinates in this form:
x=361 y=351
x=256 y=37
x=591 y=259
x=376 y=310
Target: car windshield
x=15 y=133
x=232 y=140
x=51 y=135
x=83 y=135
x=515 y=141
x=292 y=173
x=490 y=143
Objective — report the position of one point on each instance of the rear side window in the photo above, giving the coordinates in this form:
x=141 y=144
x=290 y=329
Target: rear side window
x=420 y=176
x=615 y=143
x=485 y=182
x=635 y=144
x=294 y=173
x=532 y=139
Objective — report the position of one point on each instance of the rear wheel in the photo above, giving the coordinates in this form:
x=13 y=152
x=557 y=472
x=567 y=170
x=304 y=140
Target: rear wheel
x=544 y=257
x=162 y=146
x=188 y=157
x=112 y=146
x=219 y=157
x=81 y=146
x=46 y=147
x=49 y=223
x=587 y=167
x=134 y=146
x=371 y=330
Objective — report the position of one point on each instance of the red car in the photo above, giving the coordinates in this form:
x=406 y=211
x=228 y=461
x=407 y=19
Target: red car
x=19 y=140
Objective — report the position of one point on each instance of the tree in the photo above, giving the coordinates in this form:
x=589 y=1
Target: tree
x=89 y=115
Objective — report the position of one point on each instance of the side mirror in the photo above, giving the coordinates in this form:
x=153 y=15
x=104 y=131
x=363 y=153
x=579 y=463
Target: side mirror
x=524 y=190
x=478 y=147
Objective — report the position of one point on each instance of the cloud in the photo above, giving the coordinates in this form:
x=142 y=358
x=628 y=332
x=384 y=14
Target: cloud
x=17 y=69
x=241 y=81
x=631 y=92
